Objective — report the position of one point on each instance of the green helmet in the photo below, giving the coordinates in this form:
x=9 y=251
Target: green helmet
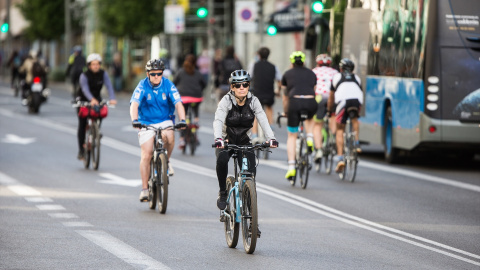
x=297 y=56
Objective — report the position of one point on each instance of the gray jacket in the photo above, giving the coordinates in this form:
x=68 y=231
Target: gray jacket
x=225 y=105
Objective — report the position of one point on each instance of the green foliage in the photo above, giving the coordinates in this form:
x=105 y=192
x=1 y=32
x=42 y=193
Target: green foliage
x=47 y=18
x=131 y=18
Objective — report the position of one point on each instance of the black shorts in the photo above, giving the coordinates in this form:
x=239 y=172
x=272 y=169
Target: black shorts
x=267 y=101
x=352 y=107
x=298 y=105
x=321 y=109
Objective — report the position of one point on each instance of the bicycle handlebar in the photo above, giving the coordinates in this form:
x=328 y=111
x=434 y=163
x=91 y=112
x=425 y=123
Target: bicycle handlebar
x=226 y=146
x=87 y=104
x=150 y=127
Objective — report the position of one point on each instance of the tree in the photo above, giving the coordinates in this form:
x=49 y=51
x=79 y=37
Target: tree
x=47 y=19
x=131 y=18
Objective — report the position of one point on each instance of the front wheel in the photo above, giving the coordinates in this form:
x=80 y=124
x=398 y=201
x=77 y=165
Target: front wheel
x=96 y=146
x=88 y=146
x=231 y=226
x=152 y=185
x=162 y=182
x=249 y=216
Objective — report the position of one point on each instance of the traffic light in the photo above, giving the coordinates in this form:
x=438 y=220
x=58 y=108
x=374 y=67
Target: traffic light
x=202 y=12
x=317 y=7
x=272 y=30
x=4 y=28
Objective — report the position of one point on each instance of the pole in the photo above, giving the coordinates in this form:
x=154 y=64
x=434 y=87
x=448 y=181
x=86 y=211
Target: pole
x=68 y=30
x=211 y=51
x=8 y=49
x=261 y=23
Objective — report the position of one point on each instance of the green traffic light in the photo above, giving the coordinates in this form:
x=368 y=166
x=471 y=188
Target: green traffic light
x=4 y=28
x=317 y=7
x=202 y=12
x=271 y=30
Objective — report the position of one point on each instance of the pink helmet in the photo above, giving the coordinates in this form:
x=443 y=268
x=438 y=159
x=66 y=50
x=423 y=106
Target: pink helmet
x=323 y=59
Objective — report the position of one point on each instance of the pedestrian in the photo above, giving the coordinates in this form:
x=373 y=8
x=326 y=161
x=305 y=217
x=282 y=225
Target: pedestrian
x=117 y=72
x=203 y=64
x=190 y=84
x=229 y=64
x=266 y=82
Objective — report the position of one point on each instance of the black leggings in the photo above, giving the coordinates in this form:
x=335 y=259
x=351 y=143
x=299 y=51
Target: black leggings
x=82 y=125
x=222 y=165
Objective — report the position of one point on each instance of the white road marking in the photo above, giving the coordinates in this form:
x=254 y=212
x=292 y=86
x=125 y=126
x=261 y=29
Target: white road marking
x=77 y=224
x=12 y=138
x=117 y=180
x=121 y=250
x=371 y=226
x=23 y=190
x=63 y=215
x=50 y=207
x=38 y=199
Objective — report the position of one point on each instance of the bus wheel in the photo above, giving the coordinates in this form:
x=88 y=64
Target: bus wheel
x=391 y=153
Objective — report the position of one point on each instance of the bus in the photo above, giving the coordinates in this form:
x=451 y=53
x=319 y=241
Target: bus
x=419 y=61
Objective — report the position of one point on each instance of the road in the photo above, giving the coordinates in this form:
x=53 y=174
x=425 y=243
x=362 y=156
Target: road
x=54 y=214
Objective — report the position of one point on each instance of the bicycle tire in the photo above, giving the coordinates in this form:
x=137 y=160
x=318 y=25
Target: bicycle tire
x=330 y=153
x=351 y=168
x=162 y=182
x=185 y=141
x=193 y=142
x=86 y=153
x=96 y=146
x=249 y=216
x=303 y=165
x=152 y=185
x=230 y=225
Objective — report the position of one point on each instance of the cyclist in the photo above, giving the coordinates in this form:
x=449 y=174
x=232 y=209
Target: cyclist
x=346 y=92
x=324 y=74
x=91 y=83
x=264 y=76
x=298 y=85
x=233 y=123
x=32 y=67
x=190 y=83
x=153 y=102
x=76 y=65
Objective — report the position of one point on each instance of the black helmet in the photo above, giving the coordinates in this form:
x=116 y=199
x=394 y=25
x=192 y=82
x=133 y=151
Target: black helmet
x=346 y=65
x=154 y=64
x=238 y=76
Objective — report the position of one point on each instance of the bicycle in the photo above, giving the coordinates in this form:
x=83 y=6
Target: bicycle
x=261 y=138
x=241 y=200
x=190 y=134
x=158 y=180
x=329 y=148
x=93 y=134
x=303 y=152
x=350 y=154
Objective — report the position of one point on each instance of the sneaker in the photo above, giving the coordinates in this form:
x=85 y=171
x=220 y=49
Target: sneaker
x=318 y=155
x=170 y=170
x=310 y=145
x=144 y=195
x=80 y=154
x=290 y=175
x=340 y=166
x=222 y=200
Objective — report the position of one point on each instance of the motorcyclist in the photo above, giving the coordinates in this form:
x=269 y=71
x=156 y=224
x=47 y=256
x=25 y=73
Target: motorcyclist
x=32 y=68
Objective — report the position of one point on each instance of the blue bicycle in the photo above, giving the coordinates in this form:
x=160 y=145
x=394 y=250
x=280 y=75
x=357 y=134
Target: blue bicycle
x=242 y=200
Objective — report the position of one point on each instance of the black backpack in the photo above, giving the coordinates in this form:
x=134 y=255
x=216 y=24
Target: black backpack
x=37 y=69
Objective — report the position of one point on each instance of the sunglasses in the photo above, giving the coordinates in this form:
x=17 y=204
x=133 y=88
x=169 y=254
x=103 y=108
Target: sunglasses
x=238 y=85
x=156 y=74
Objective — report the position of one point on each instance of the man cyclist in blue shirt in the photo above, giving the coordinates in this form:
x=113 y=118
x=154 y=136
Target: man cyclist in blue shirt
x=154 y=102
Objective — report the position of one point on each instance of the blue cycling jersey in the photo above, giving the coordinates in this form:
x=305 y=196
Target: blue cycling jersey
x=156 y=104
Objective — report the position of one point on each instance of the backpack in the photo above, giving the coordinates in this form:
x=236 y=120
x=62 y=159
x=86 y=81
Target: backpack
x=37 y=69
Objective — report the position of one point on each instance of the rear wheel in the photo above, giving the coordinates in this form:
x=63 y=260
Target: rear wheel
x=231 y=226
x=96 y=146
x=329 y=154
x=391 y=153
x=152 y=185
x=162 y=182
x=304 y=164
x=249 y=217
x=192 y=142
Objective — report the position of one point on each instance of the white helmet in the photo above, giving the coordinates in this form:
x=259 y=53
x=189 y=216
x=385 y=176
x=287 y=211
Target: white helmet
x=92 y=57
